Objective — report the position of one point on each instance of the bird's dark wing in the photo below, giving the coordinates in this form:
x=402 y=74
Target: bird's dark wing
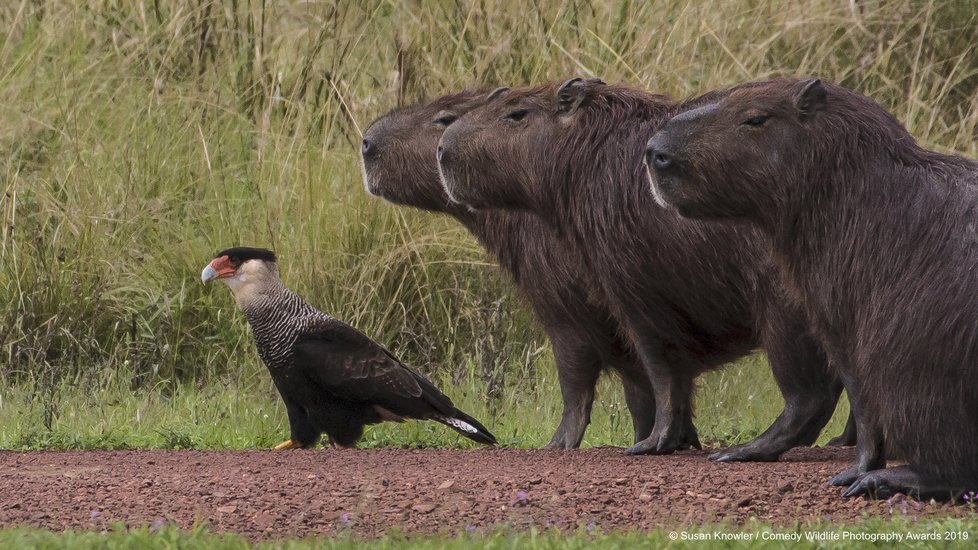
x=347 y=363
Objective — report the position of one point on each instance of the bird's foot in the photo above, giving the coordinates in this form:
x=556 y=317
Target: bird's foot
x=288 y=444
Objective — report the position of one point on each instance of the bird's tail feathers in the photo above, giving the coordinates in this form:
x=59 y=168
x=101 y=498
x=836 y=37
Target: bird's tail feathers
x=469 y=427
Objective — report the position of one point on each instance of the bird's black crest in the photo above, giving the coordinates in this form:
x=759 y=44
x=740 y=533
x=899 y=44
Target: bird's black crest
x=245 y=253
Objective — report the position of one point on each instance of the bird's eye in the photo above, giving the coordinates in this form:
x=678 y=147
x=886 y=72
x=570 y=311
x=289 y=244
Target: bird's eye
x=517 y=115
x=445 y=120
x=235 y=260
x=756 y=121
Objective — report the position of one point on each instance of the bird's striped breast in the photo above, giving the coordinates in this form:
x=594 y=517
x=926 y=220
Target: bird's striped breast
x=277 y=320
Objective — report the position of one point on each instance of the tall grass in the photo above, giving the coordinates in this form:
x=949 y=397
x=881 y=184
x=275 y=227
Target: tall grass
x=137 y=138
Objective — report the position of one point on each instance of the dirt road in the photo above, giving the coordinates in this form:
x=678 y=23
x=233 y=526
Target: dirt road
x=287 y=493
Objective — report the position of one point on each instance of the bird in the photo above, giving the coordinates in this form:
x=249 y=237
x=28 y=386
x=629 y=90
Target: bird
x=332 y=377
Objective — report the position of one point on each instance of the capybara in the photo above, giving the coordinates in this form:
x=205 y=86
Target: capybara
x=691 y=295
x=876 y=238
x=399 y=164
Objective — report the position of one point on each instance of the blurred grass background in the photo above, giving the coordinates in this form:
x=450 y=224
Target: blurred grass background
x=138 y=138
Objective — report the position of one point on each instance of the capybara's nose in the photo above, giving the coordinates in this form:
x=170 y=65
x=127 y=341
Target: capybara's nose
x=440 y=153
x=367 y=148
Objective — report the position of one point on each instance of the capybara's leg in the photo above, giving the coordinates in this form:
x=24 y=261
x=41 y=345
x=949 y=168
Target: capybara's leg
x=690 y=439
x=882 y=484
x=870 y=457
x=578 y=367
x=870 y=444
x=639 y=397
x=809 y=387
x=848 y=436
x=673 y=429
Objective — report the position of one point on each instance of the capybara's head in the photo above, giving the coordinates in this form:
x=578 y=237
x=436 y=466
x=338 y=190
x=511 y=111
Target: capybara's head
x=398 y=150
x=481 y=156
x=496 y=156
x=732 y=157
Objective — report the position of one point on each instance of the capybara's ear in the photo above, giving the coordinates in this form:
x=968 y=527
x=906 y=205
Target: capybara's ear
x=496 y=93
x=573 y=92
x=811 y=98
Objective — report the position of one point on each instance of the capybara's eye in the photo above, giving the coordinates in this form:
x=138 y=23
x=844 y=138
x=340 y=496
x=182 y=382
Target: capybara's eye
x=758 y=120
x=445 y=120
x=517 y=115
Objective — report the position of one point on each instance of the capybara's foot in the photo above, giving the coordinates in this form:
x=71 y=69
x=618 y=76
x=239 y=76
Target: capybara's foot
x=748 y=452
x=852 y=473
x=883 y=484
x=667 y=443
x=848 y=476
x=876 y=484
x=648 y=446
x=870 y=457
x=561 y=440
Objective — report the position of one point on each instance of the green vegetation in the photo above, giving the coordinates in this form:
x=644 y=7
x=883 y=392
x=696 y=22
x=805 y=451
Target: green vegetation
x=235 y=415
x=138 y=138
x=952 y=533
x=763 y=536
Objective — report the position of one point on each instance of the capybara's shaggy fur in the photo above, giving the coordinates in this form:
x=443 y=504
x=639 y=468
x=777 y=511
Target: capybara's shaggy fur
x=878 y=240
x=691 y=296
x=400 y=166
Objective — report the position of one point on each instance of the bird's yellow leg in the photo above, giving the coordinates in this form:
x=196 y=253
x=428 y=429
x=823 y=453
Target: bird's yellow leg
x=288 y=444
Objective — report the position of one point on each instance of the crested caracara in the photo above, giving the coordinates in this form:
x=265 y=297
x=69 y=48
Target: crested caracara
x=332 y=378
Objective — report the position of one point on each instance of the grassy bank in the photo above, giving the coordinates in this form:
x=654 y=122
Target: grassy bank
x=137 y=138
x=737 y=404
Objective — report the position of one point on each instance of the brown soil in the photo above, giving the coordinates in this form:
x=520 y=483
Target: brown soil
x=366 y=492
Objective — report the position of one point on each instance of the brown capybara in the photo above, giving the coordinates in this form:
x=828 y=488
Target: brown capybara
x=877 y=239
x=691 y=296
x=398 y=154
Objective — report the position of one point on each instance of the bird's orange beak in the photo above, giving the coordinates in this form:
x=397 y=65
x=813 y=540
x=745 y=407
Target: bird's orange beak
x=219 y=268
